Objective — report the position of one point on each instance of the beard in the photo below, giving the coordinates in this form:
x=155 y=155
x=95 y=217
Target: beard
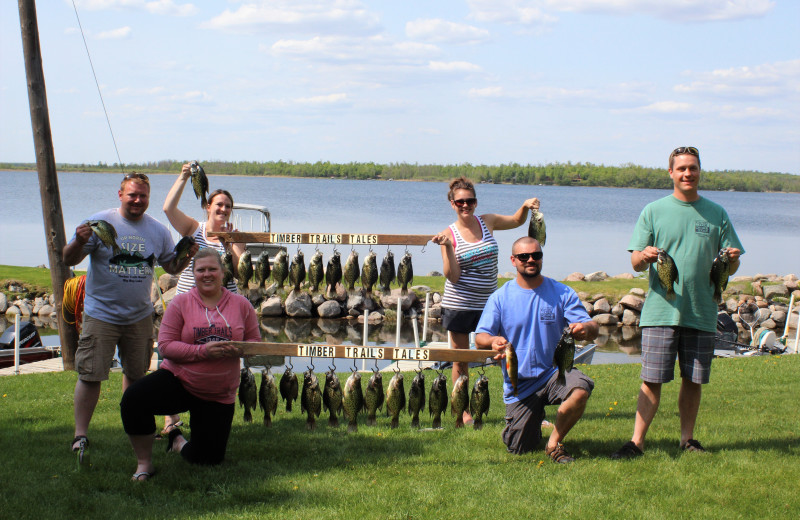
x=530 y=273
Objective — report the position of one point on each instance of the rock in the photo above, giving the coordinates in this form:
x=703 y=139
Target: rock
x=583 y=296
x=434 y=273
x=763 y=314
x=638 y=291
x=167 y=281
x=298 y=305
x=632 y=302
x=623 y=276
x=768 y=324
x=272 y=307
x=436 y=298
x=778 y=316
x=589 y=308
x=52 y=299
x=770 y=291
x=355 y=302
x=25 y=308
x=606 y=319
x=757 y=290
x=389 y=301
x=318 y=299
x=37 y=304
x=602 y=306
x=629 y=333
x=597 y=276
x=793 y=321
x=792 y=285
x=12 y=310
x=574 y=277
x=434 y=312
x=740 y=279
x=372 y=317
x=329 y=309
x=731 y=305
x=629 y=318
x=617 y=310
x=507 y=274
x=46 y=310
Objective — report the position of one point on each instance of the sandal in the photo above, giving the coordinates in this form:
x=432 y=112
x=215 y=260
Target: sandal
x=165 y=431
x=629 y=450
x=175 y=432
x=693 y=445
x=80 y=449
x=142 y=476
x=560 y=455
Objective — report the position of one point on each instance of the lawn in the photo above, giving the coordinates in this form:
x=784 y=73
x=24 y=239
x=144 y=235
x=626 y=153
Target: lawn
x=748 y=420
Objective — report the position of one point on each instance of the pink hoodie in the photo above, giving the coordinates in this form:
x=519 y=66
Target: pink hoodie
x=188 y=324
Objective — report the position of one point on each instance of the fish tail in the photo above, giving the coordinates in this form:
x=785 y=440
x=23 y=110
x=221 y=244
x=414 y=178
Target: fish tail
x=371 y=420
x=670 y=294
x=562 y=378
x=267 y=420
x=437 y=421
x=352 y=427
x=415 y=421
x=288 y=405
x=333 y=421
x=248 y=417
x=478 y=424
x=311 y=424
x=395 y=422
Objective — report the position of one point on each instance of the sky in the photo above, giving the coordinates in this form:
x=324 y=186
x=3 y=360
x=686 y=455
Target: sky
x=417 y=81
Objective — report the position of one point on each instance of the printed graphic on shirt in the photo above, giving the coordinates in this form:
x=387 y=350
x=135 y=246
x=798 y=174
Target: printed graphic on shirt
x=479 y=256
x=702 y=227
x=130 y=264
x=547 y=314
x=211 y=333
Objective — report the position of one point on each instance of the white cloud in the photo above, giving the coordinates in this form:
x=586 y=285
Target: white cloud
x=372 y=50
x=488 y=92
x=442 y=31
x=164 y=7
x=666 y=107
x=328 y=99
x=681 y=11
x=114 y=34
x=767 y=81
x=192 y=97
x=525 y=12
x=453 y=66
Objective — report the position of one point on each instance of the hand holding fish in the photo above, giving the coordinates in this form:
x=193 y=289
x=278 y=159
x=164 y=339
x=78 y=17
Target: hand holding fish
x=221 y=349
x=83 y=233
x=531 y=204
x=442 y=239
x=579 y=331
x=733 y=254
x=499 y=344
x=186 y=172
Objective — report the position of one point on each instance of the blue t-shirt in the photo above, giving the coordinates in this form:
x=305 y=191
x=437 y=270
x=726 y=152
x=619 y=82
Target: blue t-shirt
x=118 y=286
x=533 y=321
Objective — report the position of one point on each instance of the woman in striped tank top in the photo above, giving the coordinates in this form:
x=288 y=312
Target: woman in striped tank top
x=469 y=255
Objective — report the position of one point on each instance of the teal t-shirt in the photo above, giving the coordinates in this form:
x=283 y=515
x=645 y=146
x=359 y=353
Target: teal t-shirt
x=692 y=233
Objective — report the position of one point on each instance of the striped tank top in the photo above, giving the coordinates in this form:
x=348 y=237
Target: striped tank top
x=478 y=263
x=186 y=280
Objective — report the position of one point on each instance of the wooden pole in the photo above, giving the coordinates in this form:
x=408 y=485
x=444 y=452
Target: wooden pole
x=48 y=179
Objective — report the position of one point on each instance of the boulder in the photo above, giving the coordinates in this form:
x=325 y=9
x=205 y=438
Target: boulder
x=770 y=291
x=597 y=276
x=355 y=302
x=740 y=279
x=629 y=318
x=731 y=305
x=12 y=310
x=434 y=273
x=329 y=309
x=37 y=304
x=778 y=316
x=436 y=298
x=583 y=296
x=589 y=308
x=631 y=301
x=24 y=307
x=167 y=281
x=434 y=312
x=389 y=301
x=298 y=305
x=638 y=291
x=763 y=314
x=372 y=317
x=757 y=290
x=574 y=277
x=606 y=319
x=623 y=276
x=272 y=307
x=318 y=299
x=768 y=324
x=629 y=333
x=46 y=310
x=617 y=310
x=601 y=306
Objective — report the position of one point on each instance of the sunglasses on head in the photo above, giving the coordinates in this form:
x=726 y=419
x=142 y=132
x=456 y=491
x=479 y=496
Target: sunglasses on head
x=686 y=149
x=134 y=175
x=523 y=257
x=468 y=202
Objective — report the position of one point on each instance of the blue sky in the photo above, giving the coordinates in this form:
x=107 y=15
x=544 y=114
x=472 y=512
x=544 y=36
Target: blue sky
x=434 y=81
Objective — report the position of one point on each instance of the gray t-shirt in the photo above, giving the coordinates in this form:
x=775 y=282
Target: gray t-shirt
x=118 y=286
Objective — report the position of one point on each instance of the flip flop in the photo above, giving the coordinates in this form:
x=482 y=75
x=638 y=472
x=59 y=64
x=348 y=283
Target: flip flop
x=80 y=449
x=165 y=431
x=137 y=477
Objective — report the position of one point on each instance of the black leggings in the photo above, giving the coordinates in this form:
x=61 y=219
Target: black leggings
x=161 y=393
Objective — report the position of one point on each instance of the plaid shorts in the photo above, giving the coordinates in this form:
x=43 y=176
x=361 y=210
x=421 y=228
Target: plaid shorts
x=693 y=348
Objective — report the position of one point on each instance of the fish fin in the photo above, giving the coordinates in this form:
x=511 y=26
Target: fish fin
x=248 y=417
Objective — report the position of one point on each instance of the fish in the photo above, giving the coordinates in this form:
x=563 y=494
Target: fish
x=182 y=249
x=106 y=233
x=387 y=273
x=227 y=268
x=405 y=273
x=268 y=397
x=280 y=269
x=564 y=356
x=479 y=401
x=369 y=273
x=395 y=398
x=333 y=274
x=353 y=401
x=248 y=394
x=289 y=387
x=667 y=273
x=373 y=397
x=536 y=227
x=416 y=398
x=262 y=269
x=720 y=271
x=512 y=366
x=199 y=183
x=311 y=399
x=437 y=399
x=332 y=398
x=351 y=271
x=245 y=270
x=459 y=399
x=297 y=271
x=315 y=271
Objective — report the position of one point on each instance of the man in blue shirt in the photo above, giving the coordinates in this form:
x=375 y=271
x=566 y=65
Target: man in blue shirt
x=530 y=312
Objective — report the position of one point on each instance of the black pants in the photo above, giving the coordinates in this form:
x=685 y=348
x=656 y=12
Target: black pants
x=161 y=393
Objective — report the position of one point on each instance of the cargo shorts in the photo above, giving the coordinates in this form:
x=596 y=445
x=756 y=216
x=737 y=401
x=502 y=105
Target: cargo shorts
x=99 y=340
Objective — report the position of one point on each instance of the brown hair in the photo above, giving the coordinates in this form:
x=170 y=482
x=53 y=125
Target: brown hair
x=462 y=183
x=138 y=178
x=218 y=192
x=684 y=150
x=207 y=251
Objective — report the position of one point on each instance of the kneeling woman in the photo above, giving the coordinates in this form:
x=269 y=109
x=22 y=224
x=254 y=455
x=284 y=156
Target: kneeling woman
x=200 y=372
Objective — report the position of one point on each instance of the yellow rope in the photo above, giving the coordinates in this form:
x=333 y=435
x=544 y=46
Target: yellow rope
x=74 y=292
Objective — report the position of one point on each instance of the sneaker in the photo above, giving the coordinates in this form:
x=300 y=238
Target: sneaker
x=629 y=450
x=559 y=455
x=693 y=445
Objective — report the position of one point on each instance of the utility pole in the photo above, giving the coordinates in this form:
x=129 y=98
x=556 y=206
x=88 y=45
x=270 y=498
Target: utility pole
x=48 y=179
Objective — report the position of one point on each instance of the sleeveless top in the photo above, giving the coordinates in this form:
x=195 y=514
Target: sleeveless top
x=186 y=281
x=478 y=263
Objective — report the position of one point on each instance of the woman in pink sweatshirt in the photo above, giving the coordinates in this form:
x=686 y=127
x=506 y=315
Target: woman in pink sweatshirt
x=200 y=372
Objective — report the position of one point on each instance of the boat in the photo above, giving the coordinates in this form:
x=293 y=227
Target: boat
x=253 y=218
x=30 y=346
x=727 y=344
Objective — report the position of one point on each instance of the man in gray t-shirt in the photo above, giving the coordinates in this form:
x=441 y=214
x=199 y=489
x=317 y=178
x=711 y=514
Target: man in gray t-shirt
x=123 y=249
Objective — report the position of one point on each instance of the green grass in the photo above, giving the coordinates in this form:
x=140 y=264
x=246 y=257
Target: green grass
x=748 y=420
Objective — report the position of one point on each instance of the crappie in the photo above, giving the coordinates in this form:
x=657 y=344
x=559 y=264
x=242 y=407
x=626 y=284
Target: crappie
x=262 y=270
x=512 y=366
x=199 y=183
x=227 y=268
x=351 y=271
x=106 y=233
x=268 y=397
x=248 y=394
x=280 y=269
x=720 y=271
x=405 y=273
x=182 y=249
x=297 y=271
x=315 y=271
x=333 y=274
x=369 y=273
x=332 y=398
x=416 y=398
x=289 y=387
x=437 y=399
x=373 y=397
x=479 y=401
x=459 y=399
x=537 y=228
x=387 y=274
x=245 y=270
x=395 y=398
x=311 y=399
x=667 y=273
x=564 y=355
x=353 y=401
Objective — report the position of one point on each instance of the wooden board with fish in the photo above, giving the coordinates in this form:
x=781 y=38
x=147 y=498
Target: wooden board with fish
x=353 y=239
x=364 y=352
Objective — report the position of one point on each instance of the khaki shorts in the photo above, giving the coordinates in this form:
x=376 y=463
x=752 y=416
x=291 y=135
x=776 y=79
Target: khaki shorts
x=99 y=340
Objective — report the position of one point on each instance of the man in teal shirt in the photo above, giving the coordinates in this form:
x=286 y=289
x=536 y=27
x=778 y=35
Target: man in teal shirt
x=692 y=230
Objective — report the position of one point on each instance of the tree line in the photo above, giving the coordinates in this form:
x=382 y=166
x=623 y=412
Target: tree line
x=554 y=174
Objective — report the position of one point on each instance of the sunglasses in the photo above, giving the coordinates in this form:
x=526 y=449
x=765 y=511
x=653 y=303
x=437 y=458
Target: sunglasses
x=465 y=202
x=523 y=257
x=686 y=149
x=134 y=175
